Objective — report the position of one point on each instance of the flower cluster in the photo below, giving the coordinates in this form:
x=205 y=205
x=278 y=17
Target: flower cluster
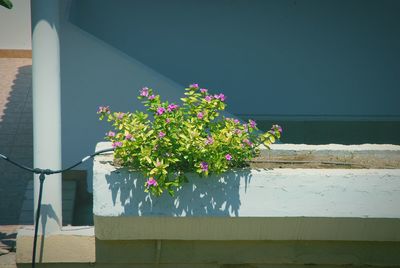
x=171 y=140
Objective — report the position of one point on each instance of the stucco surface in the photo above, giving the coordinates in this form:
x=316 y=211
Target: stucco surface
x=304 y=204
x=364 y=193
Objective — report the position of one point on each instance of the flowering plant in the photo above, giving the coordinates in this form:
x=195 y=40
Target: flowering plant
x=177 y=139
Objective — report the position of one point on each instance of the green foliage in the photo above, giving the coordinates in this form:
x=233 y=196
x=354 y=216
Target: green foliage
x=6 y=3
x=171 y=140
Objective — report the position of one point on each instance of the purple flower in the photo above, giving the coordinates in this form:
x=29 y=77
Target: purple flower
x=204 y=166
x=246 y=129
x=152 y=97
x=253 y=124
x=200 y=115
x=117 y=144
x=249 y=143
x=203 y=90
x=172 y=107
x=194 y=85
x=238 y=131
x=236 y=121
x=277 y=128
x=161 y=134
x=103 y=109
x=208 y=98
x=144 y=92
x=228 y=157
x=220 y=97
x=151 y=182
x=111 y=134
x=128 y=136
x=120 y=115
x=209 y=140
x=160 y=110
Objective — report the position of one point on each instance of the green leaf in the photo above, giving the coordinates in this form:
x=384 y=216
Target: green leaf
x=6 y=4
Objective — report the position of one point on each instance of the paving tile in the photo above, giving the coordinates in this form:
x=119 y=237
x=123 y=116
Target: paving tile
x=24 y=140
x=15 y=134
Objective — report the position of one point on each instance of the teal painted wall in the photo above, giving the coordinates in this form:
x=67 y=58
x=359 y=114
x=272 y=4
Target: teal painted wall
x=287 y=62
x=290 y=58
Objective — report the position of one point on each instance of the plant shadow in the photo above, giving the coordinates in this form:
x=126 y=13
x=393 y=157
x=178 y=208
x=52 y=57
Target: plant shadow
x=216 y=195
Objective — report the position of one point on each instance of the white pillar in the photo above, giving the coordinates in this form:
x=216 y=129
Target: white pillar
x=47 y=110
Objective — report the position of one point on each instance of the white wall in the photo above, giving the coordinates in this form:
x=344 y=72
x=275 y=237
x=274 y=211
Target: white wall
x=15 y=26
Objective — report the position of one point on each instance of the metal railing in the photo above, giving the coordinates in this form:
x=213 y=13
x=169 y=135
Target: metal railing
x=42 y=176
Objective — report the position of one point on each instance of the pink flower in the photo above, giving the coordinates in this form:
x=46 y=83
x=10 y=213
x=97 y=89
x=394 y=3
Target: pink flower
x=208 y=98
x=117 y=144
x=111 y=134
x=160 y=110
x=277 y=128
x=172 y=107
x=120 y=115
x=228 y=157
x=209 y=140
x=151 y=182
x=220 y=97
x=238 y=131
x=144 y=92
x=168 y=120
x=236 y=121
x=252 y=123
x=249 y=143
x=161 y=134
x=203 y=90
x=200 y=115
x=194 y=86
x=103 y=109
x=151 y=97
x=128 y=136
x=204 y=166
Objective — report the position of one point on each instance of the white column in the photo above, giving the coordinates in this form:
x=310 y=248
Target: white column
x=46 y=109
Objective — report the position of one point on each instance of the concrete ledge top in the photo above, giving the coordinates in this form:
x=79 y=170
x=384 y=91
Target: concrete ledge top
x=336 y=147
x=308 y=147
x=66 y=230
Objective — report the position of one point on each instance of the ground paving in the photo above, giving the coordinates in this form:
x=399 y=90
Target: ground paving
x=16 y=142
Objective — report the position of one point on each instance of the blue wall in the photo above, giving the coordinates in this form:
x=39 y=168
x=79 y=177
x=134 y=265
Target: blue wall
x=292 y=58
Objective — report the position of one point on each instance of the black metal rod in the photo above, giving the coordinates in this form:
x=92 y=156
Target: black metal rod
x=82 y=161
x=42 y=176
x=17 y=164
x=41 y=180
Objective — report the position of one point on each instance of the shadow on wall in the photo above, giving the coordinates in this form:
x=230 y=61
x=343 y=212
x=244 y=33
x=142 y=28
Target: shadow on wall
x=201 y=196
x=16 y=135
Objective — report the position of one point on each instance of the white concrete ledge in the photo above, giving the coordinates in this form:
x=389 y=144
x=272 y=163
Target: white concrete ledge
x=279 y=204
x=336 y=147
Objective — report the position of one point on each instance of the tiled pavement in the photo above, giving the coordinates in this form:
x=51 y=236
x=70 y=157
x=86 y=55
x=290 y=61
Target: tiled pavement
x=16 y=142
